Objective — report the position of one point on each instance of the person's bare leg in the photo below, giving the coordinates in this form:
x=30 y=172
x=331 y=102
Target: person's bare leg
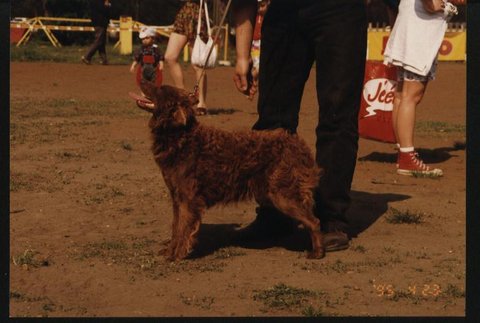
x=202 y=87
x=176 y=43
x=396 y=103
x=412 y=94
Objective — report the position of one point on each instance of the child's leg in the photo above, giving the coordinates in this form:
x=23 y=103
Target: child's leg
x=396 y=103
x=176 y=43
x=411 y=94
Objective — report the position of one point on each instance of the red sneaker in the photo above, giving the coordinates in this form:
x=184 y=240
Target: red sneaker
x=410 y=164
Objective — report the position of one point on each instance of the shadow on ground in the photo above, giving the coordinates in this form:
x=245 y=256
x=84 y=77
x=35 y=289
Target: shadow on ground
x=429 y=156
x=366 y=208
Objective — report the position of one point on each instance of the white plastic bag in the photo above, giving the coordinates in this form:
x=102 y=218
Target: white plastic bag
x=200 y=49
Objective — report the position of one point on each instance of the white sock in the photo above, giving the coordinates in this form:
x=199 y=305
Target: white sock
x=406 y=149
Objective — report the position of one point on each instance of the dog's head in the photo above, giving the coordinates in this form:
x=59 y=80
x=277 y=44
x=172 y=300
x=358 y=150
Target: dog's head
x=170 y=107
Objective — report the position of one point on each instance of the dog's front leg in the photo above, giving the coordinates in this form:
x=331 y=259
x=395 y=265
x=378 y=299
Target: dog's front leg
x=187 y=228
x=172 y=244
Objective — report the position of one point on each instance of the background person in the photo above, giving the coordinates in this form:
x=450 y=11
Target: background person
x=295 y=34
x=415 y=54
x=148 y=60
x=100 y=15
x=184 y=32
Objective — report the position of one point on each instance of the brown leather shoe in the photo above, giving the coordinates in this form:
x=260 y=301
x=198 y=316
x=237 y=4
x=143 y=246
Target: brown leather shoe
x=335 y=241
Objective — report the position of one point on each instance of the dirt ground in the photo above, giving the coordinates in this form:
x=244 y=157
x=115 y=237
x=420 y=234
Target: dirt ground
x=89 y=211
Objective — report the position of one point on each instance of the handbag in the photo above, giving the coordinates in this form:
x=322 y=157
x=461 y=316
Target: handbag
x=375 y=116
x=201 y=49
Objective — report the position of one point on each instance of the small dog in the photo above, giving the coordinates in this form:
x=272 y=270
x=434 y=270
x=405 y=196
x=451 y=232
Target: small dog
x=203 y=166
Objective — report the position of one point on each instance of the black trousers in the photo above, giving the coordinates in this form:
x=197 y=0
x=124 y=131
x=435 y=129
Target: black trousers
x=333 y=34
x=98 y=43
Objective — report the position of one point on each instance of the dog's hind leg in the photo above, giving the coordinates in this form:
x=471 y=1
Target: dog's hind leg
x=303 y=212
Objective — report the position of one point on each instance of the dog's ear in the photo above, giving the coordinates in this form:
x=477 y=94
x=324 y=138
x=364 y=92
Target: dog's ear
x=180 y=117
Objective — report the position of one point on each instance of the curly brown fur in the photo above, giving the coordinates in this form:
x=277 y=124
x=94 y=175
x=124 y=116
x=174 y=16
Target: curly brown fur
x=203 y=166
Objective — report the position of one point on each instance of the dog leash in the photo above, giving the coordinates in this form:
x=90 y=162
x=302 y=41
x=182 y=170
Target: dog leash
x=217 y=32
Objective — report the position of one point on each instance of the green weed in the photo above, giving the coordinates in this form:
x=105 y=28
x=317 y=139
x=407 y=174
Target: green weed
x=282 y=296
x=229 y=252
x=29 y=258
x=202 y=302
x=38 y=50
x=453 y=291
x=310 y=311
x=423 y=175
x=127 y=146
x=438 y=127
x=403 y=217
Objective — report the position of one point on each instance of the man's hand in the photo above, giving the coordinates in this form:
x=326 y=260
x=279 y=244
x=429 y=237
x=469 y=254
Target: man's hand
x=243 y=79
x=244 y=16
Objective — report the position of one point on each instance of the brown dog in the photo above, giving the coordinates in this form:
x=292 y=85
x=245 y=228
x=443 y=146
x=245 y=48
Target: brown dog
x=203 y=166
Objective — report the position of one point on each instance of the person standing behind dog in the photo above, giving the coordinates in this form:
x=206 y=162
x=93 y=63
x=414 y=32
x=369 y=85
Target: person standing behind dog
x=295 y=34
x=415 y=54
x=184 y=31
x=100 y=15
x=148 y=59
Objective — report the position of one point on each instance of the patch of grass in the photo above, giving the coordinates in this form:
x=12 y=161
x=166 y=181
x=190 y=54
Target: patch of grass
x=403 y=217
x=107 y=249
x=453 y=291
x=18 y=296
x=69 y=155
x=126 y=145
x=282 y=296
x=140 y=255
x=406 y=295
x=101 y=194
x=33 y=182
x=29 y=259
x=229 y=252
x=204 y=302
x=310 y=311
x=49 y=307
x=29 y=110
x=388 y=250
x=438 y=127
x=339 y=266
x=423 y=175
x=127 y=210
x=37 y=50
x=343 y=267
x=359 y=248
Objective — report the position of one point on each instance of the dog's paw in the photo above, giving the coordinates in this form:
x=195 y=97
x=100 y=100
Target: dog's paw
x=316 y=254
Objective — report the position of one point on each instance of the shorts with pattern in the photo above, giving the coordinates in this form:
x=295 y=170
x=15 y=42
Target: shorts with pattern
x=404 y=75
x=186 y=22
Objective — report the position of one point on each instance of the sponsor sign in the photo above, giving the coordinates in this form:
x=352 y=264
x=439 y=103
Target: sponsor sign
x=375 y=115
x=453 y=47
